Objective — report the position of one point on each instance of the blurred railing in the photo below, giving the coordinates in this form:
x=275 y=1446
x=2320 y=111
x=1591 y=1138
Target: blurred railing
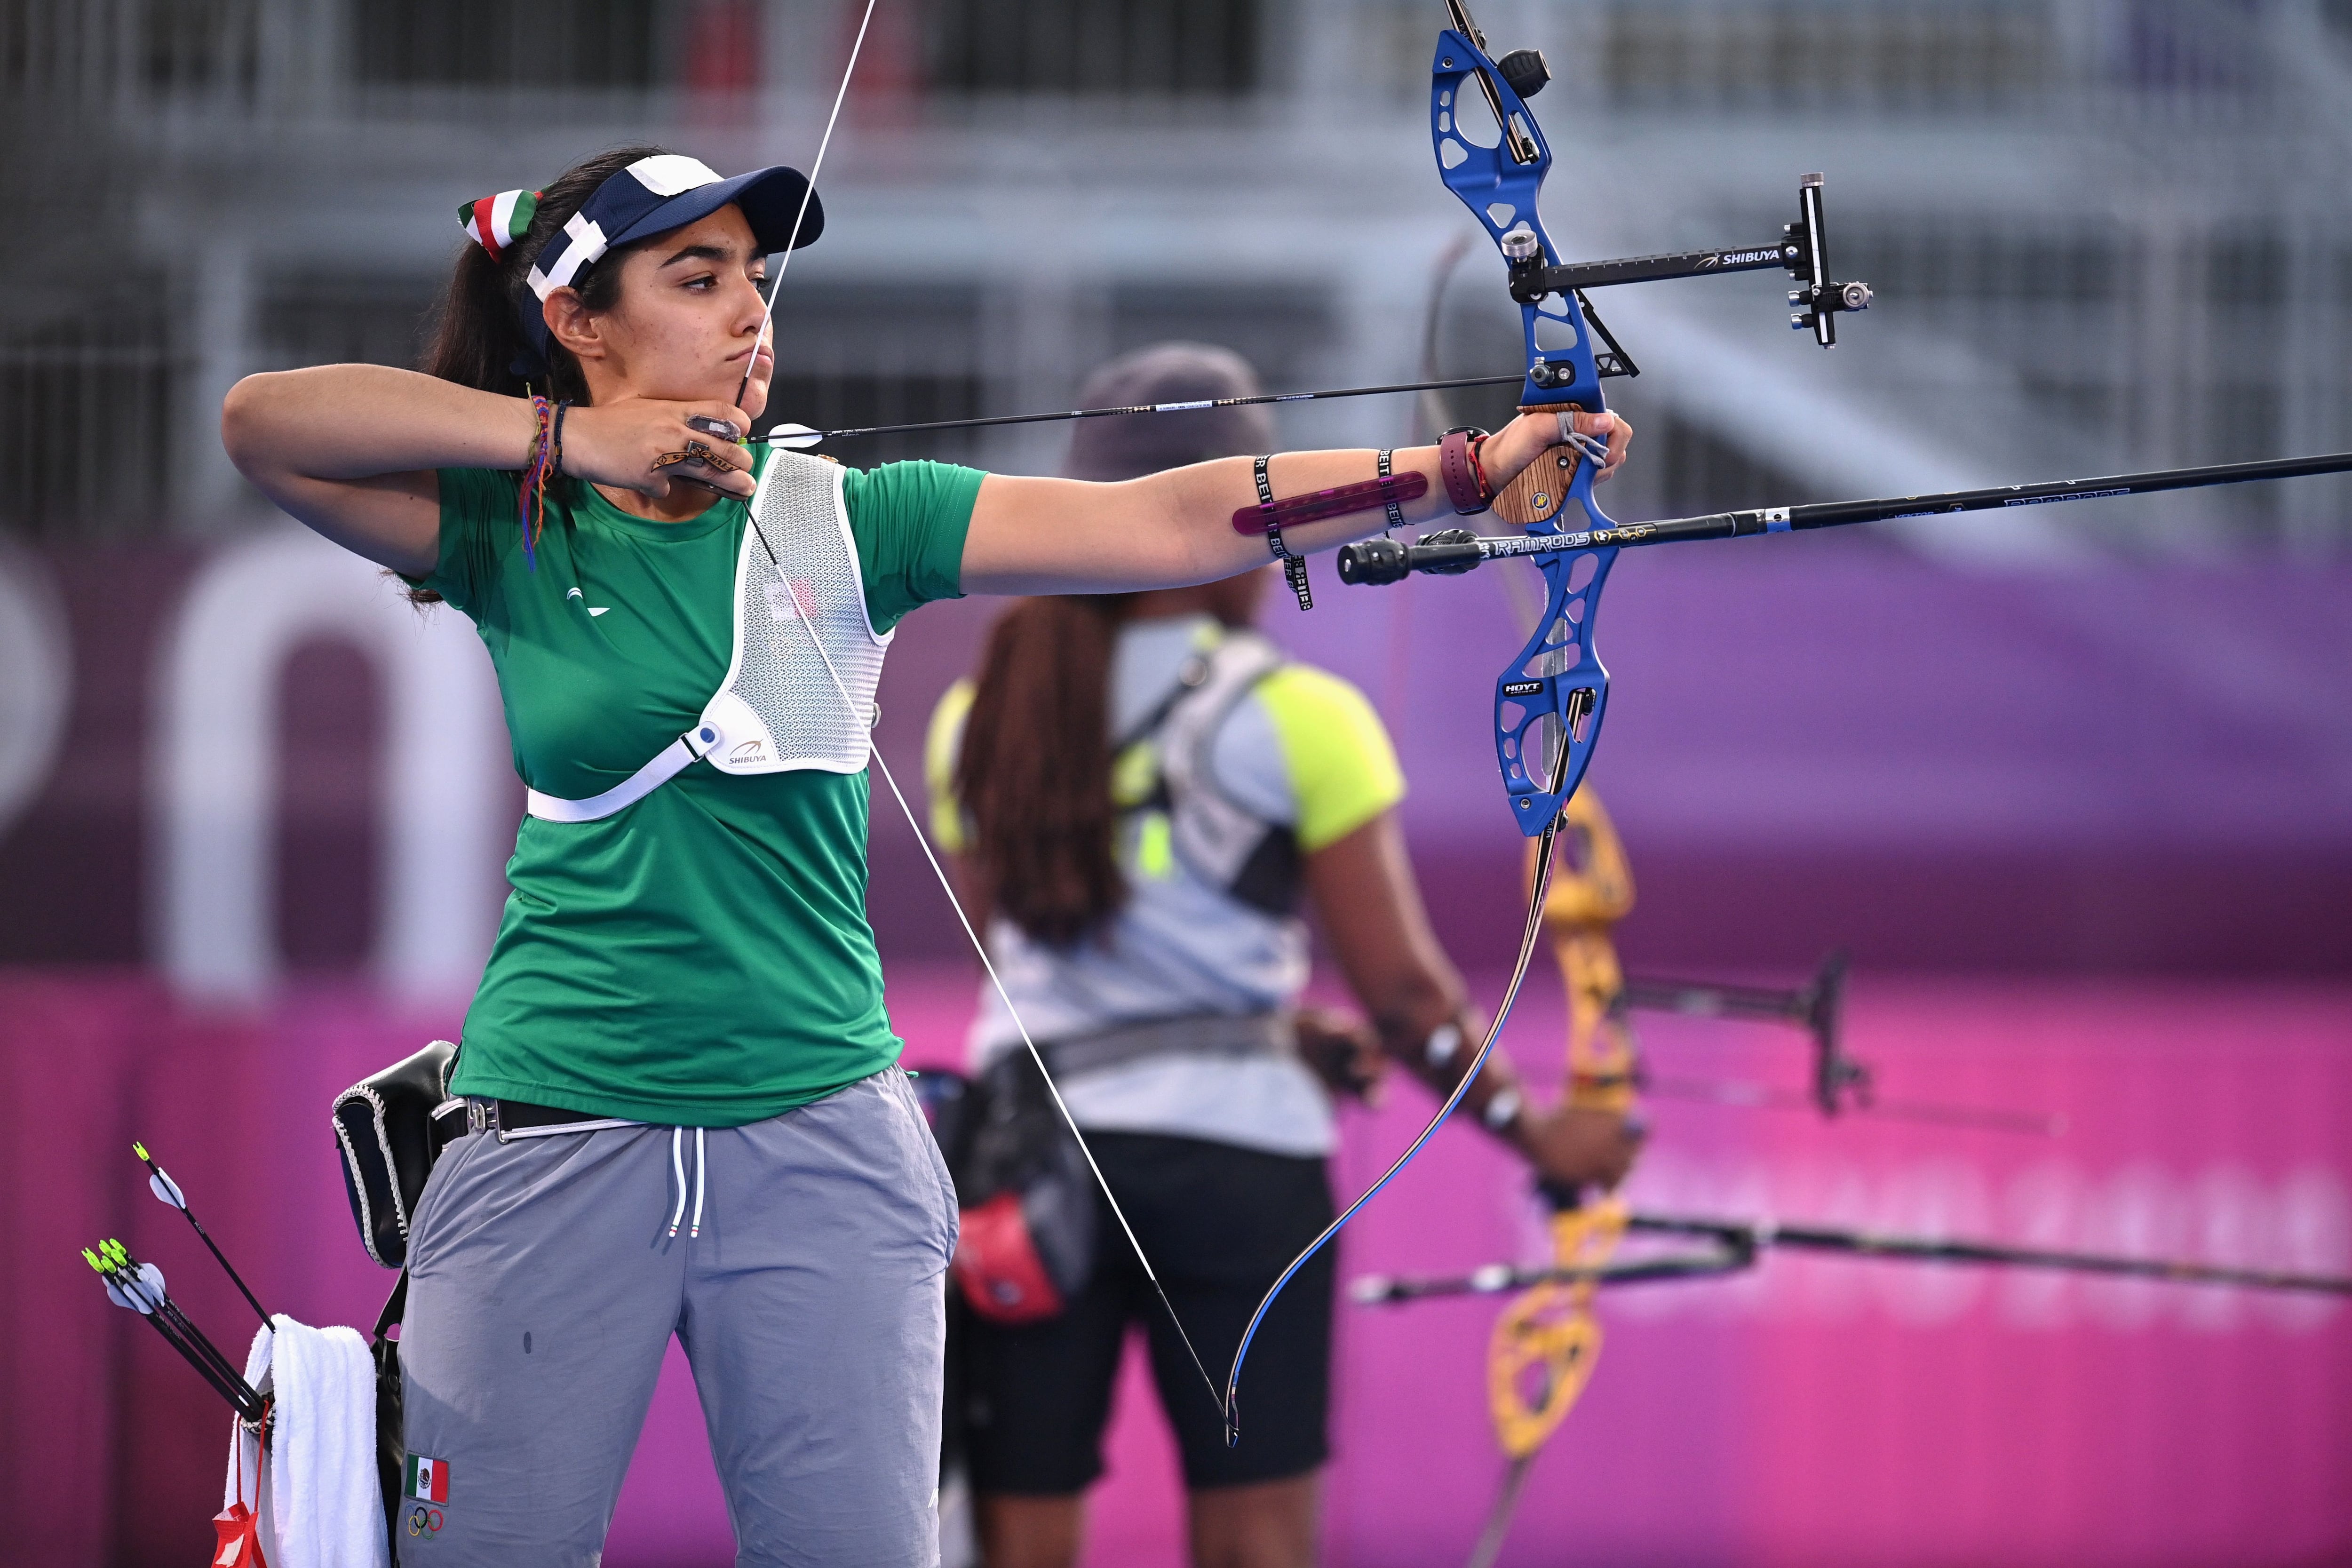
x=118 y=56
x=85 y=419
x=1714 y=56
x=2122 y=224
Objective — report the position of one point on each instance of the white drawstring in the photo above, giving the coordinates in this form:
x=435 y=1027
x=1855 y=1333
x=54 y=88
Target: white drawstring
x=677 y=1166
x=702 y=1169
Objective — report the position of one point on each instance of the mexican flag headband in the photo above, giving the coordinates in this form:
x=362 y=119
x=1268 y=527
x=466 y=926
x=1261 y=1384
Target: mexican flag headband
x=497 y=222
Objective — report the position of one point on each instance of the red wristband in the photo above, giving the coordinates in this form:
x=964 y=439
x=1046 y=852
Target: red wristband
x=1457 y=463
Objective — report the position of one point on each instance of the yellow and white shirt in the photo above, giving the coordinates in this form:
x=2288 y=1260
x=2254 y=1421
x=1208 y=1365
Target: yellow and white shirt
x=1303 y=750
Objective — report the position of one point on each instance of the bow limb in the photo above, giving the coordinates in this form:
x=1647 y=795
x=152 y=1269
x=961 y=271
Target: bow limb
x=1546 y=1343
x=1541 y=857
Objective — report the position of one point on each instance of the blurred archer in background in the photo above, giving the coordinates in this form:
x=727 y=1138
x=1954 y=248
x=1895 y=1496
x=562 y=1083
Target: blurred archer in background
x=1141 y=790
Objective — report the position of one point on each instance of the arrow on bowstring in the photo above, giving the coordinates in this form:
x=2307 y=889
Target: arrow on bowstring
x=800 y=436
x=167 y=1191
x=1739 y=1245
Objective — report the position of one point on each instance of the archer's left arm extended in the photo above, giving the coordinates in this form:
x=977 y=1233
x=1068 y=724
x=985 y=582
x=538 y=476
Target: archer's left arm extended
x=1172 y=529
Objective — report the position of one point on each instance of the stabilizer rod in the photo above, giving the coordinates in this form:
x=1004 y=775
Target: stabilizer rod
x=1738 y=1244
x=1456 y=550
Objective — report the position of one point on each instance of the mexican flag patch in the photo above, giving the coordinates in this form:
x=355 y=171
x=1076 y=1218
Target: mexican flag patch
x=428 y=1479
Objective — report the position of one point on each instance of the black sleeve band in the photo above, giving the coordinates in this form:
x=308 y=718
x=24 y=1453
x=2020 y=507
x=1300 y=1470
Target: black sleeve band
x=1294 y=569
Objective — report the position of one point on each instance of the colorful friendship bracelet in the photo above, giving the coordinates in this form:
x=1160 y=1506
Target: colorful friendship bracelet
x=531 y=496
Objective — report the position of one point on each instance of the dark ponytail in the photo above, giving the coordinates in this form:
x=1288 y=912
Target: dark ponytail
x=478 y=331
x=1034 y=773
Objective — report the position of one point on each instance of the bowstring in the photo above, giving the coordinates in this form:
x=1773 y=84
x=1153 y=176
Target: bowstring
x=1228 y=1402
x=1533 y=931
x=808 y=194
x=947 y=885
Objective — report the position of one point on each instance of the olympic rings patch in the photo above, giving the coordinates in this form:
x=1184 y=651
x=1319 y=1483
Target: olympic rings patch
x=423 y=1521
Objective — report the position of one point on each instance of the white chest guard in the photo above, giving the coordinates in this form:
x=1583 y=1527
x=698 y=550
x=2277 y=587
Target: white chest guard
x=779 y=709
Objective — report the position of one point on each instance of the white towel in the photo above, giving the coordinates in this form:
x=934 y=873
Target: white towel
x=325 y=1508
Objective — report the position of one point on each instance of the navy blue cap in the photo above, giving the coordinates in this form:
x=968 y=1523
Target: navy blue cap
x=667 y=191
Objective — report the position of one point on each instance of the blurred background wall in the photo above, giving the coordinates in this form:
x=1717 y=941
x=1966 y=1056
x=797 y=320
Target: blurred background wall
x=252 y=808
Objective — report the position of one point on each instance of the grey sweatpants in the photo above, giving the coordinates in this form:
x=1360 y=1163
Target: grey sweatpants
x=545 y=1285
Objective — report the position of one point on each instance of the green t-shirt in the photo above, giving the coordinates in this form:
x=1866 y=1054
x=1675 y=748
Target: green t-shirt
x=701 y=958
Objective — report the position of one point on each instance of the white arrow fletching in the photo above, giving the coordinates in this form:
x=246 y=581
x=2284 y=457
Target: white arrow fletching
x=166 y=1190
x=794 y=436
x=151 y=1278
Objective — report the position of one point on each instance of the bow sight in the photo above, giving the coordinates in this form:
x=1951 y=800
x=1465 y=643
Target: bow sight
x=1506 y=84
x=1551 y=701
x=1551 y=698
x=1802 y=249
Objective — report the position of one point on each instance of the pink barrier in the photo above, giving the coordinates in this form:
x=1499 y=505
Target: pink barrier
x=1818 y=1411
x=1827 y=1410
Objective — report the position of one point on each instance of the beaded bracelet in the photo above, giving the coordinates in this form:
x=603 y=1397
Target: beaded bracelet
x=530 y=497
x=1478 y=467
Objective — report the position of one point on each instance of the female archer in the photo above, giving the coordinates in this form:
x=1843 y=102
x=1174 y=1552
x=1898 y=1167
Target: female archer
x=680 y=1074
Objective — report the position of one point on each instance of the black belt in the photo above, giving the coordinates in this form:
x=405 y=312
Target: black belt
x=517 y=1113
x=508 y=1117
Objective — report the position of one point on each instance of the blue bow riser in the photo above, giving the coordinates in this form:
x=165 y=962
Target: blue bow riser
x=1556 y=691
